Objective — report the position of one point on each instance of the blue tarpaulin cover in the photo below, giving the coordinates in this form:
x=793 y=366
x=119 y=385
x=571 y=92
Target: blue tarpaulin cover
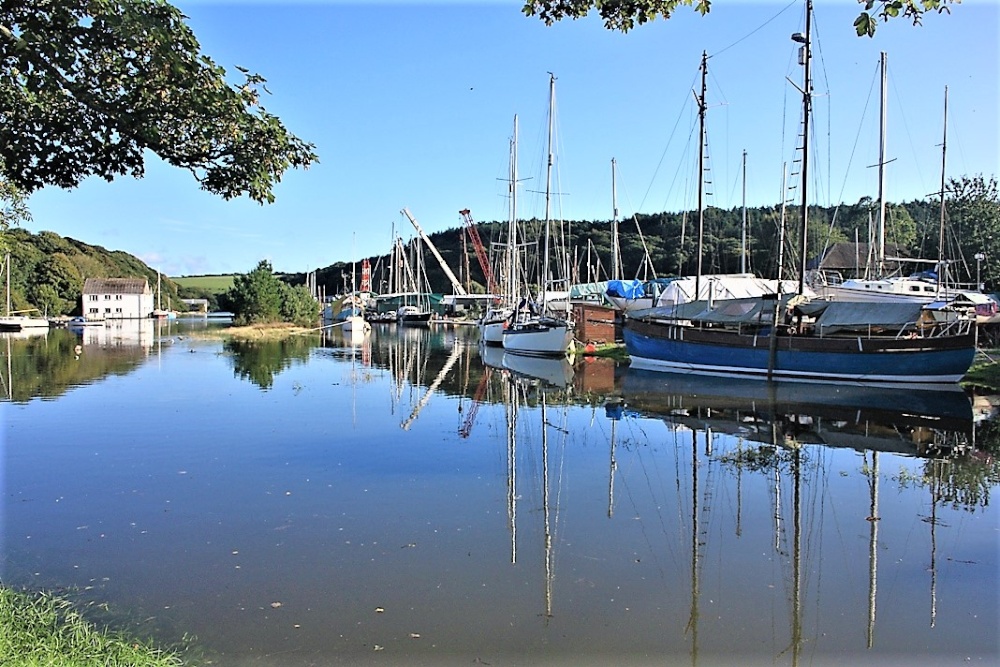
x=626 y=289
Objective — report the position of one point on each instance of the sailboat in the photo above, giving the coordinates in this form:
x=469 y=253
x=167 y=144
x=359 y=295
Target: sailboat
x=159 y=313
x=792 y=336
x=534 y=331
x=414 y=310
x=496 y=318
x=923 y=287
x=18 y=320
x=355 y=322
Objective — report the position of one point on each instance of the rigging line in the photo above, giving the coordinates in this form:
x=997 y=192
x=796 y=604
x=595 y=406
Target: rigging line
x=681 y=167
x=850 y=161
x=909 y=135
x=749 y=34
x=663 y=155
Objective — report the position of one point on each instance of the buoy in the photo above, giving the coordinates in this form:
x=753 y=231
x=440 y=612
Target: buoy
x=590 y=348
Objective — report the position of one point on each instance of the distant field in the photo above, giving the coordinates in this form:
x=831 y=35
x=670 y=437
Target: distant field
x=213 y=284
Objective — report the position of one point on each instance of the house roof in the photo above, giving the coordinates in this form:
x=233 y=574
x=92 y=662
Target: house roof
x=116 y=286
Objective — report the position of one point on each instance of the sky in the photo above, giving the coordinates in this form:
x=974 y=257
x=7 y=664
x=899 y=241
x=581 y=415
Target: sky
x=412 y=104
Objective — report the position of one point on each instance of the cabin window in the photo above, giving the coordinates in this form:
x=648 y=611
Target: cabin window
x=914 y=288
x=928 y=289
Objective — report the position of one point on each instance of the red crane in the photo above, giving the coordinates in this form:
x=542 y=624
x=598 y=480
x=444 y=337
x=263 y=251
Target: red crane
x=477 y=245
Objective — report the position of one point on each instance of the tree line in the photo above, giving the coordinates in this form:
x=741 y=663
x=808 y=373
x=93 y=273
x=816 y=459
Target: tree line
x=665 y=244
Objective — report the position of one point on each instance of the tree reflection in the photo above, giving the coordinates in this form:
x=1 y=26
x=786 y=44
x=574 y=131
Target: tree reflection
x=46 y=366
x=260 y=361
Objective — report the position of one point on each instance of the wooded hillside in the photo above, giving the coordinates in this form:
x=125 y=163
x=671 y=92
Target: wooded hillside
x=48 y=271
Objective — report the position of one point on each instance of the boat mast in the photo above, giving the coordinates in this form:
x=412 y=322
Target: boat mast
x=616 y=259
x=944 y=151
x=701 y=172
x=743 y=239
x=548 y=188
x=881 y=175
x=512 y=259
x=6 y=265
x=805 y=57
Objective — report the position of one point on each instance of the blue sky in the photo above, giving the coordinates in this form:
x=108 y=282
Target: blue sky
x=412 y=104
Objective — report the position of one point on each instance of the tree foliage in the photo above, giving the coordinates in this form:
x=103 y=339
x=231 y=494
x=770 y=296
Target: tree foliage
x=87 y=86
x=973 y=207
x=260 y=297
x=624 y=15
x=13 y=209
x=48 y=270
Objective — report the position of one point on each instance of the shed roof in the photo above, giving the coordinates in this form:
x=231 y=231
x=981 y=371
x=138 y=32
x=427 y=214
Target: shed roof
x=116 y=286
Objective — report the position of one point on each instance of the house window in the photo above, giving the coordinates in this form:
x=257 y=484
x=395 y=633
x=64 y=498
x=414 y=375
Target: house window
x=93 y=297
x=107 y=297
x=118 y=297
x=118 y=310
x=93 y=310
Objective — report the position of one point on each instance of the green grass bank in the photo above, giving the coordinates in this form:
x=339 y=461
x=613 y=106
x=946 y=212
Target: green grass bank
x=45 y=630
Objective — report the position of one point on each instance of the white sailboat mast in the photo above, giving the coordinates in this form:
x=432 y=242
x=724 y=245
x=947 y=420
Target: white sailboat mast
x=881 y=174
x=548 y=189
x=944 y=152
x=512 y=256
x=616 y=260
x=743 y=228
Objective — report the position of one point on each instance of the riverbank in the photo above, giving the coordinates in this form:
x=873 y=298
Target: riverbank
x=44 y=629
x=985 y=371
x=271 y=331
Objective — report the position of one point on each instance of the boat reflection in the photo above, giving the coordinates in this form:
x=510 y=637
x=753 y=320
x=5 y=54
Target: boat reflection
x=557 y=371
x=553 y=371
x=491 y=355
x=891 y=419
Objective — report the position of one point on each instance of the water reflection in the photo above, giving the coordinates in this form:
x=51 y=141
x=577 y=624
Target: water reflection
x=259 y=361
x=311 y=501
x=47 y=365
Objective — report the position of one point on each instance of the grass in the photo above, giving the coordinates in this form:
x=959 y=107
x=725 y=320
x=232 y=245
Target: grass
x=44 y=630
x=985 y=371
x=275 y=331
x=213 y=284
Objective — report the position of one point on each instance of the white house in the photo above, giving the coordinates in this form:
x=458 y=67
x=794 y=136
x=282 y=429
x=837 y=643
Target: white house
x=116 y=298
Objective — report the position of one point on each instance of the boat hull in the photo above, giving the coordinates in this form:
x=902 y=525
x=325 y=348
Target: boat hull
x=22 y=322
x=412 y=316
x=492 y=332
x=356 y=324
x=659 y=346
x=538 y=338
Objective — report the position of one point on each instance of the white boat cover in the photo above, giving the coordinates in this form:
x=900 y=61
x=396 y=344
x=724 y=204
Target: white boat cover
x=724 y=286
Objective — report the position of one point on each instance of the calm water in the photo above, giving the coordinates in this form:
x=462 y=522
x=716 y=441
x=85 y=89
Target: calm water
x=403 y=499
